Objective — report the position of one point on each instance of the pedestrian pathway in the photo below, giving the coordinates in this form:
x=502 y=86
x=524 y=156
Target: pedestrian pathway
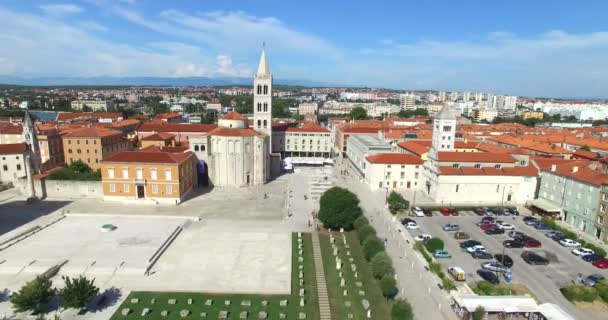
x=324 y=311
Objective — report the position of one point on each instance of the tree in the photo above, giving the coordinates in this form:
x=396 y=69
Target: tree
x=78 y=292
x=157 y=108
x=402 y=310
x=585 y=148
x=479 y=313
x=79 y=166
x=396 y=202
x=358 y=113
x=434 y=244
x=365 y=231
x=33 y=295
x=86 y=108
x=360 y=222
x=338 y=208
x=382 y=265
x=372 y=246
x=388 y=285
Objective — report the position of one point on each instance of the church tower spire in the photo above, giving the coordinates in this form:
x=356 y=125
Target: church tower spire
x=30 y=137
x=262 y=97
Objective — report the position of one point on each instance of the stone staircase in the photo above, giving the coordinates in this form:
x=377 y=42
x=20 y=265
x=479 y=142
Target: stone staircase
x=324 y=310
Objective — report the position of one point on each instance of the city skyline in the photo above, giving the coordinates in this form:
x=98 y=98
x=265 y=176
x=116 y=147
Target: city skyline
x=516 y=48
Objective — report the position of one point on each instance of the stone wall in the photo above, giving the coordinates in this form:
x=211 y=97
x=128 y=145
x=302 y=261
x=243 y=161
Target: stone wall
x=62 y=189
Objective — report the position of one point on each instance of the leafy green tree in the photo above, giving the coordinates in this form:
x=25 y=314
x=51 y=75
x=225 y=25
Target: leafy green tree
x=372 y=246
x=434 y=244
x=382 y=265
x=338 y=208
x=360 y=222
x=365 y=231
x=158 y=108
x=585 y=148
x=388 y=285
x=86 y=108
x=402 y=310
x=479 y=313
x=33 y=295
x=78 y=292
x=358 y=113
x=79 y=166
x=396 y=202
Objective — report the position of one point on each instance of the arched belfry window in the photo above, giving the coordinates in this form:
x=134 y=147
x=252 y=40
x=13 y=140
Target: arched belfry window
x=265 y=107
x=265 y=89
x=259 y=123
x=265 y=124
x=259 y=89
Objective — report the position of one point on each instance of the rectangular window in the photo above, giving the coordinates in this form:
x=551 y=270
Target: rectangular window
x=497 y=187
x=455 y=165
x=402 y=175
x=125 y=187
x=457 y=188
x=125 y=173
x=169 y=189
x=167 y=174
x=18 y=167
x=112 y=187
x=5 y=167
x=497 y=166
x=477 y=166
x=140 y=173
x=153 y=174
x=111 y=173
x=154 y=188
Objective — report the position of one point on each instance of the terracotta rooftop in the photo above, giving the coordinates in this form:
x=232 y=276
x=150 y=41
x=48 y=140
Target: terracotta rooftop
x=179 y=149
x=13 y=148
x=148 y=155
x=577 y=172
x=175 y=127
x=168 y=115
x=92 y=132
x=234 y=132
x=233 y=116
x=394 y=158
x=480 y=157
x=9 y=128
x=416 y=147
x=160 y=136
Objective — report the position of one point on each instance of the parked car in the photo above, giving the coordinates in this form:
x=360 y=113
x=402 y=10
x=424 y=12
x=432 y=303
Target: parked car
x=506 y=226
x=515 y=234
x=602 y=263
x=405 y=221
x=592 y=280
x=479 y=211
x=494 y=266
x=476 y=248
x=469 y=243
x=514 y=211
x=444 y=211
x=530 y=220
x=532 y=243
x=461 y=235
x=569 y=243
x=488 y=276
x=417 y=212
x=489 y=226
x=412 y=226
x=453 y=212
x=457 y=273
x=494 y=231
x=497 y=211
x=513 y=244
x=555 y=235
x=481 y=255
x=504 y=259
x=427 y=212
x=581 y=252
x=423 y=237
x=442 y=254
x=487 y=218
x=534 y=258
x=451 y=227
x=541 y=226
x=592 y=257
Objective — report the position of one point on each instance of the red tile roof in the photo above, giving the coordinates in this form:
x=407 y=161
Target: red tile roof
x=394 y=158
x=233 y=116
x=529 y=171
x=583 y=174
x=9 y=128
x=416 y=147
x=92 y=132
x=13 y=148
x=168 y=115
x=480 y=157
x=179 y=149
x=161 y=136
x=234 y=132
x=148 y=155
x=175 y=127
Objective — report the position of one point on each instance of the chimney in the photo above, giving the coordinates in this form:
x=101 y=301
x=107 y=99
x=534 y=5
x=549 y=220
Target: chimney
x=575 y=169
x=553 y=167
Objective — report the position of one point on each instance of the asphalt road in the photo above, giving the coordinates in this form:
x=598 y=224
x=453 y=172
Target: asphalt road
x=543 y=281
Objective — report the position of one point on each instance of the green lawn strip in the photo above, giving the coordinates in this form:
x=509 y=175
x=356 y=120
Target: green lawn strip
x=378 y=305
x=198 y=305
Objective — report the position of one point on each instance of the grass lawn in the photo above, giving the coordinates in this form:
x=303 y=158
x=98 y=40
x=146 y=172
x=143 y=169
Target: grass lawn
x=378 y=304
x=235 y=308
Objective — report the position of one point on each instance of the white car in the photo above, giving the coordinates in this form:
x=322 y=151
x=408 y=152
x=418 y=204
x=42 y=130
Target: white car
x=417 y=212
x=506 y=226
x=412 y=226
x=476 y=248
x=581 y=252
x=423 y=237
x=569 y=243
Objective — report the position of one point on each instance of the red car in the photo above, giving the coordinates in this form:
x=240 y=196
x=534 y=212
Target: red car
x=486 y=218
x=453 y=212
x=602 y=263
x=488 y=226
x=532 y=243
x=445 y=211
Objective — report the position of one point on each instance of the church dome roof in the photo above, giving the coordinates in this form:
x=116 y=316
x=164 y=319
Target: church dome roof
x=233 y=116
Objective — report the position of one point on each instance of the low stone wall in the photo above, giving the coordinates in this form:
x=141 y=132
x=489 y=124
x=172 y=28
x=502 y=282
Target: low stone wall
x=62 y=189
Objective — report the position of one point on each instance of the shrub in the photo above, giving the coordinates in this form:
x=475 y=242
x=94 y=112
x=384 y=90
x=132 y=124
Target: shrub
x=396 y=202
x=479 y=313
x=388 y=285
x=365 y=231
x=77 y=170
x=435 y=267
x=448 y=284
x=402 y=310
x=484 y=288
x=372 y=246
x=434 y=244
x=382 y=265
x=579 y=293
x=338 y=208
x=602 y=290
x=360 y=222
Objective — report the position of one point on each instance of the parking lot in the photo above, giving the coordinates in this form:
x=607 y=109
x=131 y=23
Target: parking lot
x=543 y=281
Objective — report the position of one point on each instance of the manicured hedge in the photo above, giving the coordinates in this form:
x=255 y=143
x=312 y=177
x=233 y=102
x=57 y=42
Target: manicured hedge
x=572 y=235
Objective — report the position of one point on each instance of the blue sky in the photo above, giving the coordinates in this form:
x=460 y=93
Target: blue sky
x=530 y=48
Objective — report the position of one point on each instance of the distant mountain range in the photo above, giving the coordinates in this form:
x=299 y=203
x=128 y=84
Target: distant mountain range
x=153 y=81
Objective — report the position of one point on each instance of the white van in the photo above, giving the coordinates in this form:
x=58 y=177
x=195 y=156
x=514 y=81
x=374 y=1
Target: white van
x=457 y=273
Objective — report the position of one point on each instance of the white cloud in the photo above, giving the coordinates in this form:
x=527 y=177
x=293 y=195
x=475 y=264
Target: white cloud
x=93 y=26
x=60 y=9
x=190 y=70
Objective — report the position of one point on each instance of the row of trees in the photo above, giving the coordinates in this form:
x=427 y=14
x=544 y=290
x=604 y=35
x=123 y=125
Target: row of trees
x=77 y=170
x=36 y=294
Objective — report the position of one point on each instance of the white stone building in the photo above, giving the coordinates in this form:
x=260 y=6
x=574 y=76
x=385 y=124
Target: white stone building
x=308 y=108
x=392 y=171
x=95 y=105
x=12 y=164
x=362 y=146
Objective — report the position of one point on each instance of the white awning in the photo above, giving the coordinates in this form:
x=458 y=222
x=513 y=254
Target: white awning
x=546 y=205
x=553 y=312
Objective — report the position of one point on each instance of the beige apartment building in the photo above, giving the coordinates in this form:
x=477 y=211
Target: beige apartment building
x=93 y=144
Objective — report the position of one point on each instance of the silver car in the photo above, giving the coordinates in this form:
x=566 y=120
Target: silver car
x=495 y=266
x=593 y=279
x=451 y=227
